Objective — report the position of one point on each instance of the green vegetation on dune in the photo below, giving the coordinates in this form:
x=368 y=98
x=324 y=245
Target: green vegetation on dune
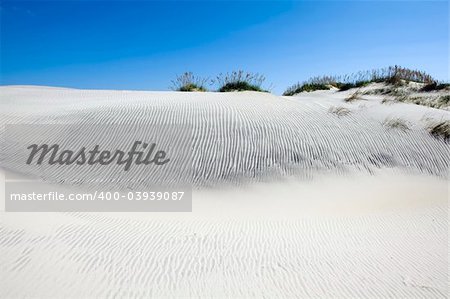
x=434 y=86
x=228 y=82
x=347 y=86
x=189 y=82
x=394 y=75
x=191 y=87
x=240 y=81
x=440 y=130
x=239 y=86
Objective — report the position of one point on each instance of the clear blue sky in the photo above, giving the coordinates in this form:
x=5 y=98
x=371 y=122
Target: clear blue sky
x=144 y=44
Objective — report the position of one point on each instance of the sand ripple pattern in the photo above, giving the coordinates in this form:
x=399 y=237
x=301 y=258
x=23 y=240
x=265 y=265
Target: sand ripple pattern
x=235 y=136
x=99 y=256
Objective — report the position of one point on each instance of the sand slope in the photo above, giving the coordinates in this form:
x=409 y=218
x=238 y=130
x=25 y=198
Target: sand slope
x=379 y=231
x=94 y=255
x=237 y=136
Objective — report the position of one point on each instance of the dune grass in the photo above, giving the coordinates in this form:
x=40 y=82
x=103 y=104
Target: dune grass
x=440 y=130
x=239 y=86
x=353 y=97
x=435 y=86
x=394 y=75
x=339 y=111
x=189 y=82
x=347 y=86
x=301 y=87
x=397 y=124
x=240 y=81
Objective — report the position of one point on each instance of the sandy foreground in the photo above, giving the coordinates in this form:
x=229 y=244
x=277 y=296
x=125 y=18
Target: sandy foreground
x=366 y=228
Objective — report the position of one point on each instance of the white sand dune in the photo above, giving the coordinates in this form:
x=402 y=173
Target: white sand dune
x=259 y=229
x=305 y=242
x=235 y=136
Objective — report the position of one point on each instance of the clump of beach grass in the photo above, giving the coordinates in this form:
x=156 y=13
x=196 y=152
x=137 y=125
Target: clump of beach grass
x=350 y=85
x=308 y=87
x=443 y=101
x=395 y=95
x=189 y=82
x=435 y=86
x=397 y=124
x=240 y=81
x=392 y=75
x=440 y=130
x=339 y=111
x=353 y=97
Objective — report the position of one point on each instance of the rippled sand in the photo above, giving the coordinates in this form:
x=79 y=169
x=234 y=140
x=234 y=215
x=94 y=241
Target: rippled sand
x=317 y=205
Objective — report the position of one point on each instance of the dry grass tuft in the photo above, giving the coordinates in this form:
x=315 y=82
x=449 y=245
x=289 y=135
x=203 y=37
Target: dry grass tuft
x=396 y=124
x=393 y=75
x=240 y=81
x=339 y=111
x=440 y=130
x=353 y=97
x=189 y=82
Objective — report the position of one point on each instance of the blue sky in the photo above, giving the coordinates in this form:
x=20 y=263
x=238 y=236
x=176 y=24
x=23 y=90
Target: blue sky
x=143 y=44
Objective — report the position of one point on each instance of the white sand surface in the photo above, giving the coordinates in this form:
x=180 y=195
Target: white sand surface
x=362 y=214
